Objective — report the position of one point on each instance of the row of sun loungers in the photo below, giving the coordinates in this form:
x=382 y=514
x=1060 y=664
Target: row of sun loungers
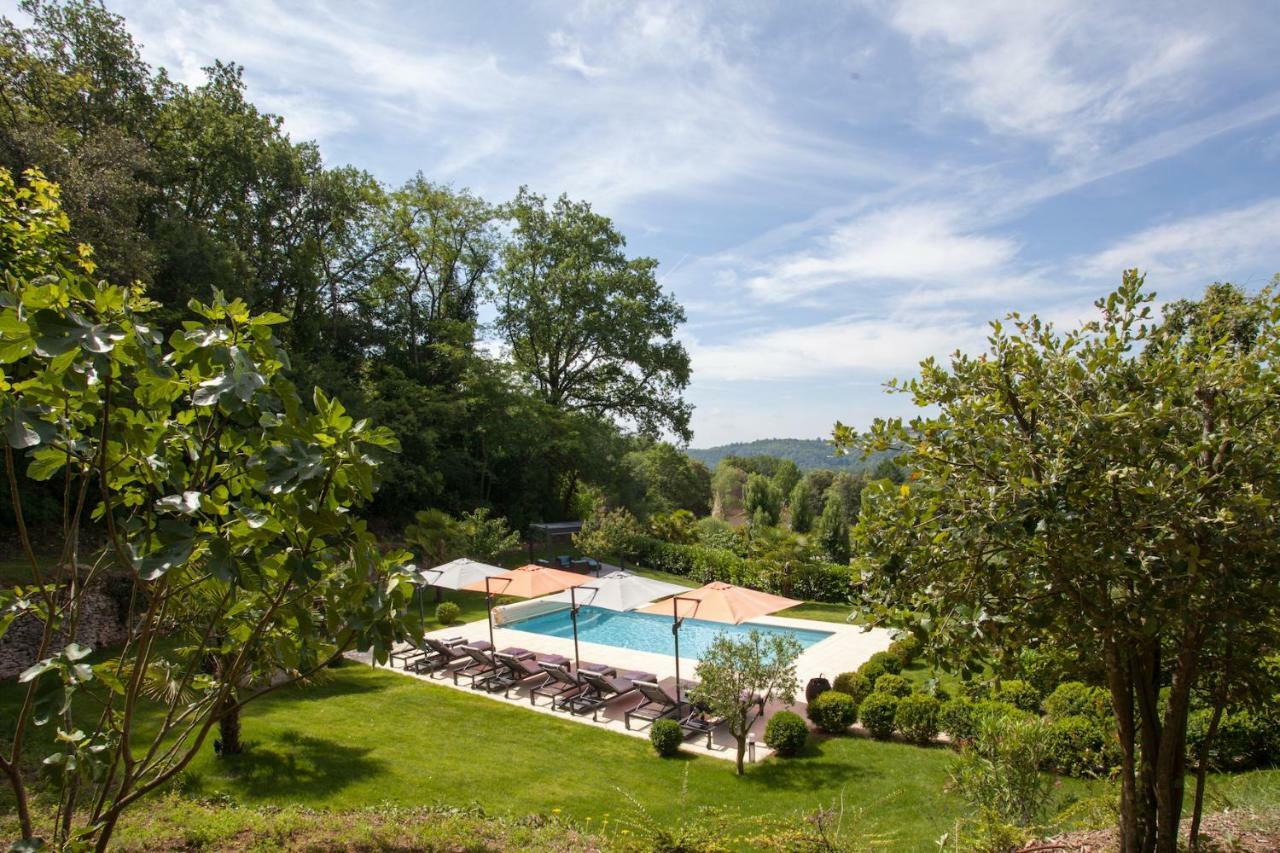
x=585 y=689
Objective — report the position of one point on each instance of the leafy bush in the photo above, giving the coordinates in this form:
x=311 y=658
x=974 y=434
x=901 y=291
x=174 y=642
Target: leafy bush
x=1076 y=699
x=1019 y=694
x=1244 y=739
x=959 y=719
x=992 y=708
x=786 y=734
x=813 y=581
x=894 y=685
x=447 y=612
x=1045 y=669
x=889 y=661
x=917 y=717
x=871 y=671
x=833 y=712
x=906 y=648
x=666 y=737
x=1078 y=745
x=878 y=712
x=853 y=684
x=999 y=773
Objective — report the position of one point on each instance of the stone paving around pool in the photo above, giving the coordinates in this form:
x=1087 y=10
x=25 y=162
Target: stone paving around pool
x=846 y=648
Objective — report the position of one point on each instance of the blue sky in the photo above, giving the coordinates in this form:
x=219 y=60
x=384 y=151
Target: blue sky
x=834 y=191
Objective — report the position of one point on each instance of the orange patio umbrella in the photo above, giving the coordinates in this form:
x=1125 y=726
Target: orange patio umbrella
x=716 y=602
x=529 y=581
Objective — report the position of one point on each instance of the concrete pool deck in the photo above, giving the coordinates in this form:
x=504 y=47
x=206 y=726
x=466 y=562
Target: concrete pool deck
x=846 y=648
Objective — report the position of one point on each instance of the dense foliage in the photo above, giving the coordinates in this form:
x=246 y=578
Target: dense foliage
x=191 y=188
x=808 y=454
x=786 y=733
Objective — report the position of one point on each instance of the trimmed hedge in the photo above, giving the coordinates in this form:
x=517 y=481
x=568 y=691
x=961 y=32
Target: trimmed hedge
x=786 y=734
x=1244 y=740
x=1076 y=699
x=906 y=648
x=917 y=717
x=853 y=684
x=811 y=581
x=1079 y=746
x=879 y=714
x=833 y=712
x=894 y=685
x=447 y=612
x=958 y=718
x=887 y=661
x=666 y=737
x=1018 y=693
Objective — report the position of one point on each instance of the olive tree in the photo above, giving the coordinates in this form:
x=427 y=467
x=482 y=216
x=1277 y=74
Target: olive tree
x=223 y=500
x=1110 y=490
x=738 y=677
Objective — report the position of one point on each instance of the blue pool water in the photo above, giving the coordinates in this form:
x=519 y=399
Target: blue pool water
x=648 y=632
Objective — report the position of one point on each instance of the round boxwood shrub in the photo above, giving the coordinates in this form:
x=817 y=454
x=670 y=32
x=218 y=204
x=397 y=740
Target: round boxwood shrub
x=1077 y=746
x=666 y=737
x=958 y=718
x=1244 y=739
x=833 y=712
x=871 y=670
x=1076 y=699
x=1019 y=694
x=894 y=685
x=786 y=734
x=905 y=648
x=878 y=712
x=917 y=717
x=853 y=684
x=447 y=612
x=887 y=660
x=993 y=708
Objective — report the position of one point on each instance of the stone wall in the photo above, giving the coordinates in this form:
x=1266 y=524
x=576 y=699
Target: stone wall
x=101 y=625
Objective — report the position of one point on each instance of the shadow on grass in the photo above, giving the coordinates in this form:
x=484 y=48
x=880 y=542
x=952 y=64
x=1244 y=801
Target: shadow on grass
x=813 y=769
x=298 y=764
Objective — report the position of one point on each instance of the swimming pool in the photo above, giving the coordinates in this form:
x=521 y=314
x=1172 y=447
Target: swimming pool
x=648 y=632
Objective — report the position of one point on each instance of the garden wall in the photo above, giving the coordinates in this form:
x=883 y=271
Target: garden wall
x=101 y=625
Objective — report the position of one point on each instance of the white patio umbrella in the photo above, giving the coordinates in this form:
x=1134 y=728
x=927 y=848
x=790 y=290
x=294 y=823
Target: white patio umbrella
x=619 y=591
x=458 y=573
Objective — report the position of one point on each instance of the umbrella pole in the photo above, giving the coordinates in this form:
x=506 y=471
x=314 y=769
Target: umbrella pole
x=573 y=614
x=488 y=609
x=675 y=632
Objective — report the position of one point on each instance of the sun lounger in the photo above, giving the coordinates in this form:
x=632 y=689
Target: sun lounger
x=602 y=689
x=563 y=682
x=656 y=704
x=513 y=670
x=442 y=654
x=483 y=663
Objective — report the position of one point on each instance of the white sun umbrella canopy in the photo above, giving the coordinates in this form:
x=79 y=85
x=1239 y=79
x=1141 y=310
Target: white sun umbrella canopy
x=458 y=573
x=619 y=591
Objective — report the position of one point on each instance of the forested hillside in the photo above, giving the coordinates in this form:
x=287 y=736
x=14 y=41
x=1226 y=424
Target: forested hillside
x=191 y=189
x=809 y=454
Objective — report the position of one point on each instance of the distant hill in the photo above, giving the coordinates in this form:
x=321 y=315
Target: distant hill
x=807 y=453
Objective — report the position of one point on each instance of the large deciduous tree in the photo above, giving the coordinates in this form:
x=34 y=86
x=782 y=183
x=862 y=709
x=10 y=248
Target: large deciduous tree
x=1111 y=491
x=225 y=503
x=591 y=328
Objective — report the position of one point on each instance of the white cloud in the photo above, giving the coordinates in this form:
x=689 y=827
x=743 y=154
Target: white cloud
x=1058 y=70
x=911 y=243
x=1227 y=245
x=880 y=346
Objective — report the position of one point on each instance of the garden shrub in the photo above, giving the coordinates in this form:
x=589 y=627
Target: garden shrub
x=894 y=685
x=999 y=772
x=447 y=612
x=833 y=712
x=878 y=712
x=1018 y=693
x=1244 y=739
x=853 y=684
x=871 y=670
x=1076 y=699
x=888 y=661
x=1045 y=669
x=992 y=708
x=786 y=734
x=1078 y=746
x=917 y=717
x=666 y=737
x=958 y=718
x=906 y=648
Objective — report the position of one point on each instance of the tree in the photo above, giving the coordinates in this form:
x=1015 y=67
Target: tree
x=786 y=477
x=225 y=503
x=609 y=533
x=676 y=526
x=833 y=529
x=761 y=497
x=669 y=480
x=801 y=502
x=485 y=538
x=435 y=535
x=727 y=485
x=738 y=677
x=1109 y=490
x=590 y=328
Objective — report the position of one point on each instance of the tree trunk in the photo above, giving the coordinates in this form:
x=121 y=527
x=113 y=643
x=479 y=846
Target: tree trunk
x=742 y=752
x=1122 y=702
x=229 y=730
x=1202 y=769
